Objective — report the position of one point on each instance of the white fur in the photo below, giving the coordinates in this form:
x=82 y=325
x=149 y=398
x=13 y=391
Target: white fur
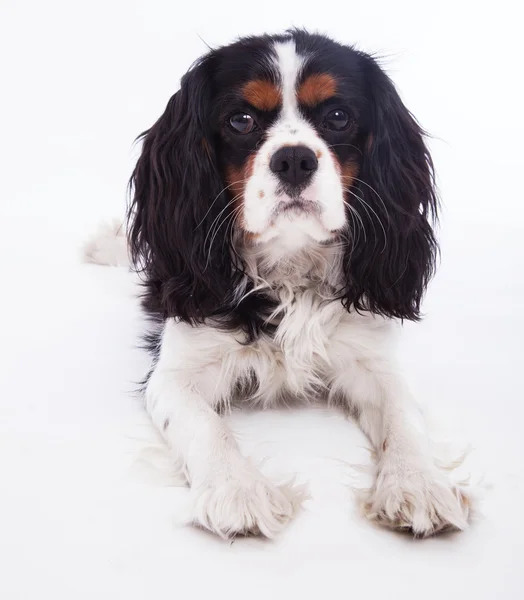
x=193 y=375
x=318 y=350
x=326 y=189
x=107 y=246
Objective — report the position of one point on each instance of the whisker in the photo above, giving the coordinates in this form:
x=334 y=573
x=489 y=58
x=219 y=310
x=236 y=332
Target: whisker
x=232 y=214
x=220 y=214
x=219 y=194
x=361 y=200
x=350 y=145
x=231 y=228
x=354 y=216
x=224 y=220
x=365 y=208
x=375 y=192
x=354 y=227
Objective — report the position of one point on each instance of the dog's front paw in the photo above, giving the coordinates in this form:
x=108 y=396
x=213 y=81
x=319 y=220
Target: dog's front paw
x=245 y=504
x=424 y=503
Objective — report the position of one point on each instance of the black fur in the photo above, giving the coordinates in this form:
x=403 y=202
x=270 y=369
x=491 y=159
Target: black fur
x=179 y=195
x=388 y=270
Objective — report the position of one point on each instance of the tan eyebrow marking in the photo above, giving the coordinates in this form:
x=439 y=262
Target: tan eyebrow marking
x=317 y=88
x=262 y=94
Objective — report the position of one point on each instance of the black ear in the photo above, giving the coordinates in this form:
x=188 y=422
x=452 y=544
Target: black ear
x=177 y=232
x=390 y=260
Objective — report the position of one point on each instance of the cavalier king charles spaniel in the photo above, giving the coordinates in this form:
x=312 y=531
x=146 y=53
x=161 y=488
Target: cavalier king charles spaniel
x=281 y=218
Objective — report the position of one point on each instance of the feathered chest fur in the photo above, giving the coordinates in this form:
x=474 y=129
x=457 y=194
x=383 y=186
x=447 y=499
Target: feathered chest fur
x=311 y=340
x=290 y=362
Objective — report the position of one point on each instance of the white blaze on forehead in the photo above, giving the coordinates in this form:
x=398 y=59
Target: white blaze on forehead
x=289 y=65
x=262 y=193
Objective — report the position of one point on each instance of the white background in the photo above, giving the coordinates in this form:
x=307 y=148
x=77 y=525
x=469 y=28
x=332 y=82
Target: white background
x=86 y=510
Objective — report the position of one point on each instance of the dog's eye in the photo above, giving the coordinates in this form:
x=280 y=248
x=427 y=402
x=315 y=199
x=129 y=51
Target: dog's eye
x=242 y=123
x=337 y=120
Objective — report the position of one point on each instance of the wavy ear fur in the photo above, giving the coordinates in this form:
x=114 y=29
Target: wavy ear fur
x=389 y=264
x=177 y=235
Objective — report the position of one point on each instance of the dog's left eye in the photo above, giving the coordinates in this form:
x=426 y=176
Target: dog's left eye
x=242 y=123
x=336 y=120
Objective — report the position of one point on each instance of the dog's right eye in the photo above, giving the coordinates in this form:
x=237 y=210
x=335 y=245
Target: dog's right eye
x=242 y=123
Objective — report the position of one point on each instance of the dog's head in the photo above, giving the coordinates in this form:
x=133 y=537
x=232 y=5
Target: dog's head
x=283 y=142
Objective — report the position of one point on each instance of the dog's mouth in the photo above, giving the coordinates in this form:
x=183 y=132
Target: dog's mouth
x=294 y=216
x=298 y=206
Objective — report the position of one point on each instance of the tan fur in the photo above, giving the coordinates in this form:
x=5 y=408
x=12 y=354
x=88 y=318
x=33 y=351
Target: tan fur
x=262 y=94
x=316 y=89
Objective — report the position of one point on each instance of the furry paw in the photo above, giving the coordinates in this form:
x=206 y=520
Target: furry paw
x=246 y=504
x=424 y=503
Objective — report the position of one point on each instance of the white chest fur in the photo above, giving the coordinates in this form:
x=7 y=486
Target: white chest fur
x=314 y=340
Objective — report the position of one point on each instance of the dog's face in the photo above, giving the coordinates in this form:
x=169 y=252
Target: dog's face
x=289 y=128
x=283 y=143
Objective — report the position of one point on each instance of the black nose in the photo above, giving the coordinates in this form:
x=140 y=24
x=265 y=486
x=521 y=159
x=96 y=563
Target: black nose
x=293 y=164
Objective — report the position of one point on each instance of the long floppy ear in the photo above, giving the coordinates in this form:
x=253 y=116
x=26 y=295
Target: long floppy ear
x=177 y=233
x=391 y=261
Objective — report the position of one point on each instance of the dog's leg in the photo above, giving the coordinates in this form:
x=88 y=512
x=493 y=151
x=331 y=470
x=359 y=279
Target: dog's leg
x=409 y=492
x=230 y=496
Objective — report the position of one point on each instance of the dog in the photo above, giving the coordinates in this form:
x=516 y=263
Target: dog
x=282 y=219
